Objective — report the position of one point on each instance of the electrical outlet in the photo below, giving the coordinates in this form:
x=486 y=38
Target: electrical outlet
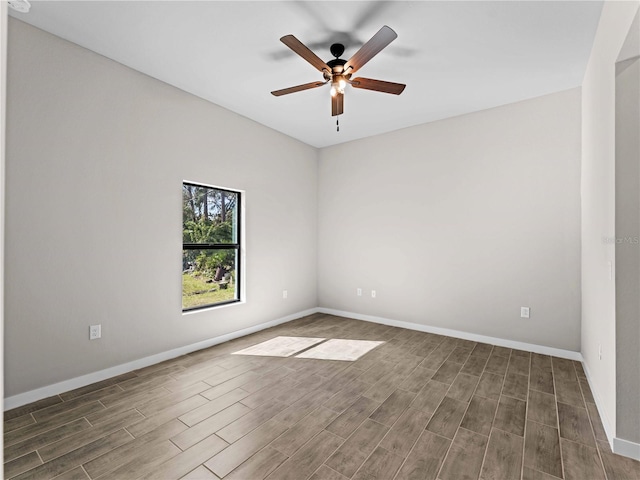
x=95 y=332
x=373 y=294
x=359 y=292
x=285 y=294
x=524 y=312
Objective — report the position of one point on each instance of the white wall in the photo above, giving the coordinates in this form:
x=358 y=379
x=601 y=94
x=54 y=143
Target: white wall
x=459 y=223
x=598 y=206
x=96 y=156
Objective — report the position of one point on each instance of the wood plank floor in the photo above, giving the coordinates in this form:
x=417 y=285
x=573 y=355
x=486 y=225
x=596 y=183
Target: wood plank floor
x=420 y=406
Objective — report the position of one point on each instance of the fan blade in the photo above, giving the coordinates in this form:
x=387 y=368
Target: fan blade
x=301 y=49
x=297 y=88
x=378 y=85
x=337 y=104
x=370 y=49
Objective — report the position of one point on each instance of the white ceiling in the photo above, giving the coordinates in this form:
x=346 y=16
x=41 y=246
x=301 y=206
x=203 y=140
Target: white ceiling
x=455 y=57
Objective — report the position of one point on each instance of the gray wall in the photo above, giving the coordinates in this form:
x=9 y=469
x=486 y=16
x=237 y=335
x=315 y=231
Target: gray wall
x=598 y=207
x=96 y=156
x=459 y=223
x=627 y=246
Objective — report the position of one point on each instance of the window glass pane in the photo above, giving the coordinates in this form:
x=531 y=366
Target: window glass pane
x=209 y=215
x=209 y=277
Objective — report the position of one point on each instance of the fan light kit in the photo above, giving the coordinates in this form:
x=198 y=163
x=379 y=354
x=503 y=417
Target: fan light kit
x=339 y=71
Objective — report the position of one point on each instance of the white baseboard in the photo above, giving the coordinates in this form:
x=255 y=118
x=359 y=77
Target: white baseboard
x=604 y=418
x=501 y=342
x=626 y=448
x=77 y=382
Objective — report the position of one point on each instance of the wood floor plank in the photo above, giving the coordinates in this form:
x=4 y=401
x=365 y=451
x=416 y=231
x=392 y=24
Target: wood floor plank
x=430 y=397
x=145 y=461
x=447 y=417
x=88 y=436
x=417 y=379
x=596 y=423
x=123 y=455
x=31 y=444
x=542 y=449
x=355 y=450
x=541 y=376
x=34 y=429
x=300 y=433
x=76 y=474
x=569 y=392
x=273 y=391
x=563 y=369
x=163 y=416
x=204 y=429
x=97 y=386
x=516 y=386
x=447 y=372
x=425 y=459
x=347 y=396
x=479 y=415
x=18 y=422
x=212 y=407
x=586 y=391
x=52 y=411
x=392 y=407
x=161 y=404
x=303 y=407
x=459 y=355
x=618 y=467
x=182 y=463
x=348 y=421
x=531 y=474
x=510 y=416
x=405 y=432
x=574 y=424
x=214 y=392
x=474 y=365
x=31 y=407
x=374 y=374
x=542 y=408
x=231 y=457
x=497 y=364
x=463 y=387
x=518 y=365
x=308 y=458
x=490 y=385
x=501 y=351
x=326 y=473
x=464 y=459
x=580 y=461
x=259 y=466
x=380 y=464
x=503 y=459
x=200 y=473
x=252 y=420
x=21 y=464
x=76 y=457
x=482 y=350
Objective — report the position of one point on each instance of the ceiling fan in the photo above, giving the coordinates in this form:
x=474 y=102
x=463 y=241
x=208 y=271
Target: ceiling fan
x=339 y=71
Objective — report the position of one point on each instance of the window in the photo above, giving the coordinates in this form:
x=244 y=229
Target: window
x=210 y=246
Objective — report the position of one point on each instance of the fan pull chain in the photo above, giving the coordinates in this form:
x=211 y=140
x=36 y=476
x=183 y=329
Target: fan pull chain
x=338 y=123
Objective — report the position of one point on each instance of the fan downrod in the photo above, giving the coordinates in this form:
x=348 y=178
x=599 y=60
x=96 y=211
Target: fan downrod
x=337 y=49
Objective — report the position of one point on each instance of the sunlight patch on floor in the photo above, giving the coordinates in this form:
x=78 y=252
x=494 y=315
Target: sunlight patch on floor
x=280 y=346
x=339 y=349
